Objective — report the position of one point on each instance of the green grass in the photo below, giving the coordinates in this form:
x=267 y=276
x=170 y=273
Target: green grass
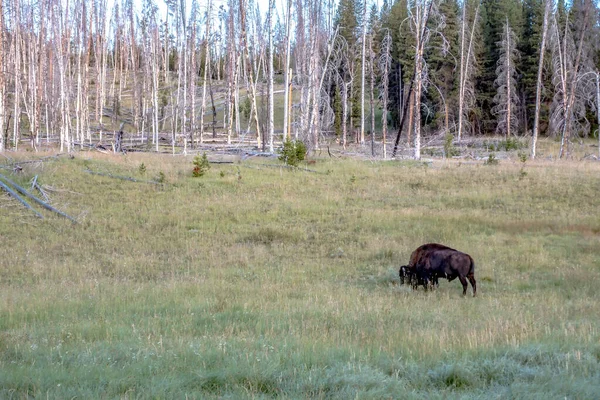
x=261 y=283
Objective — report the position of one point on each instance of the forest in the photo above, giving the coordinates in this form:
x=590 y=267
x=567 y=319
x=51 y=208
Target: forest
x=353 y=71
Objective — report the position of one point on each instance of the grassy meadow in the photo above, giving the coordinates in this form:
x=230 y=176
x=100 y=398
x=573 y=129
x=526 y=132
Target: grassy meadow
x=262 y=282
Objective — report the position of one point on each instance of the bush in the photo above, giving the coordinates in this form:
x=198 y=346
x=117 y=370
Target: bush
x=293 y=152
x=449 y=149
x=512 y=144
x=201 y=165
x=492 y=160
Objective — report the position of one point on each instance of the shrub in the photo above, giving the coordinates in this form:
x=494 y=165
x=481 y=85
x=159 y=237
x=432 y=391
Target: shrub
x=449 y=149
x=512 y=144
x=293 y=152
x=201 y=165
x=492 y=160
x=523 y=157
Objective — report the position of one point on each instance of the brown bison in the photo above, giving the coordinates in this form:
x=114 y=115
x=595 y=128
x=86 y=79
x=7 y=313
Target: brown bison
x=408 y=273
x=433 y=261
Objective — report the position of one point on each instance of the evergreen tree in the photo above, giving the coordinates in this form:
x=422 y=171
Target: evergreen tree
x=529 y=41
x=494 y=15
x=347 y=20
x=402 y=68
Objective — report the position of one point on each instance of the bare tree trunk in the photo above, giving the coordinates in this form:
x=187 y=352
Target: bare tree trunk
x=372 y=94
x=288 y=40
x=598 y=107
x=61 y=37
x=184 y=61
x=206 y=69
x=566 y=136
x=17 y=73
x=385 y=61
x=362 y=75
x=2 y=79
x=465 y=65
x=155 y=82
x=270 y=79
x=232 y=69
x=134 y=70
x=538 y=92
x=244 y=42
x=192 y=94
x=411 y=109
x=344 y=114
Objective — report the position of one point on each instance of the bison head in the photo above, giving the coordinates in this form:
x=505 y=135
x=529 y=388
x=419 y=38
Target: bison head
x=404 y=274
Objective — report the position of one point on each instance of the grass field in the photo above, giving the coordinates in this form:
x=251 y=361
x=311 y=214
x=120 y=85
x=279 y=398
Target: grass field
x=259 y=282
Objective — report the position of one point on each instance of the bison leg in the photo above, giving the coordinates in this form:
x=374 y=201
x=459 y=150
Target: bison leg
x=465 y=285
x=473 y=283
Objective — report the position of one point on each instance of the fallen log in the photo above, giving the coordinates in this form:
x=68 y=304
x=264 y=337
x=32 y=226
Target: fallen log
x=40 y=202
x=16 y=196
x=39 y=160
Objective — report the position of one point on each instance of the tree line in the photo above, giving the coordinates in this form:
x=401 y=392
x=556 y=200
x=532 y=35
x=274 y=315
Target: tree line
x=71 y=71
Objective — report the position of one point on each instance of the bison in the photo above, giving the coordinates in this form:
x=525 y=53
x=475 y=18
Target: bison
x=432 y=261
x=408 y=273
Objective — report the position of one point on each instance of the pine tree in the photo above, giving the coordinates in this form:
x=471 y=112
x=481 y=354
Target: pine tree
x=494 y=15
x=403 y=63
x=347 y=20
x=529 y=41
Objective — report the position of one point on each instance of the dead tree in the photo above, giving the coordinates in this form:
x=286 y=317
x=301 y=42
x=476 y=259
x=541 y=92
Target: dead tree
x=385 y=62
x=506 y=98
x=465 y=84
x=549 y=6
x=2 y=79
x=568 y=113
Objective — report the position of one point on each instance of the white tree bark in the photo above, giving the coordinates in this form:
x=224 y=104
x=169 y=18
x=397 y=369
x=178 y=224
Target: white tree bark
x=362 y=74
x=598 y=108
x=549 y=6
x=271 y=126
x=466 y=54
x=385 y=62
x=288 y=44
x=506 y=98
x=2 y=79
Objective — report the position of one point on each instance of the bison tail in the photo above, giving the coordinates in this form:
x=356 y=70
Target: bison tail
x=472 y=269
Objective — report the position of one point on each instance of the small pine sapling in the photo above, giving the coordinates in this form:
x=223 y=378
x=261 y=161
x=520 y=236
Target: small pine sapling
x=201 y=166
x=293 y=152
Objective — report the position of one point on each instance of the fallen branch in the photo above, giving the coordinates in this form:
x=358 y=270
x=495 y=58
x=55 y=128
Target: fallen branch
x=34 y=185
x=40 y=202
x=124 y=178
x=39 y=160
x=16 y=196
